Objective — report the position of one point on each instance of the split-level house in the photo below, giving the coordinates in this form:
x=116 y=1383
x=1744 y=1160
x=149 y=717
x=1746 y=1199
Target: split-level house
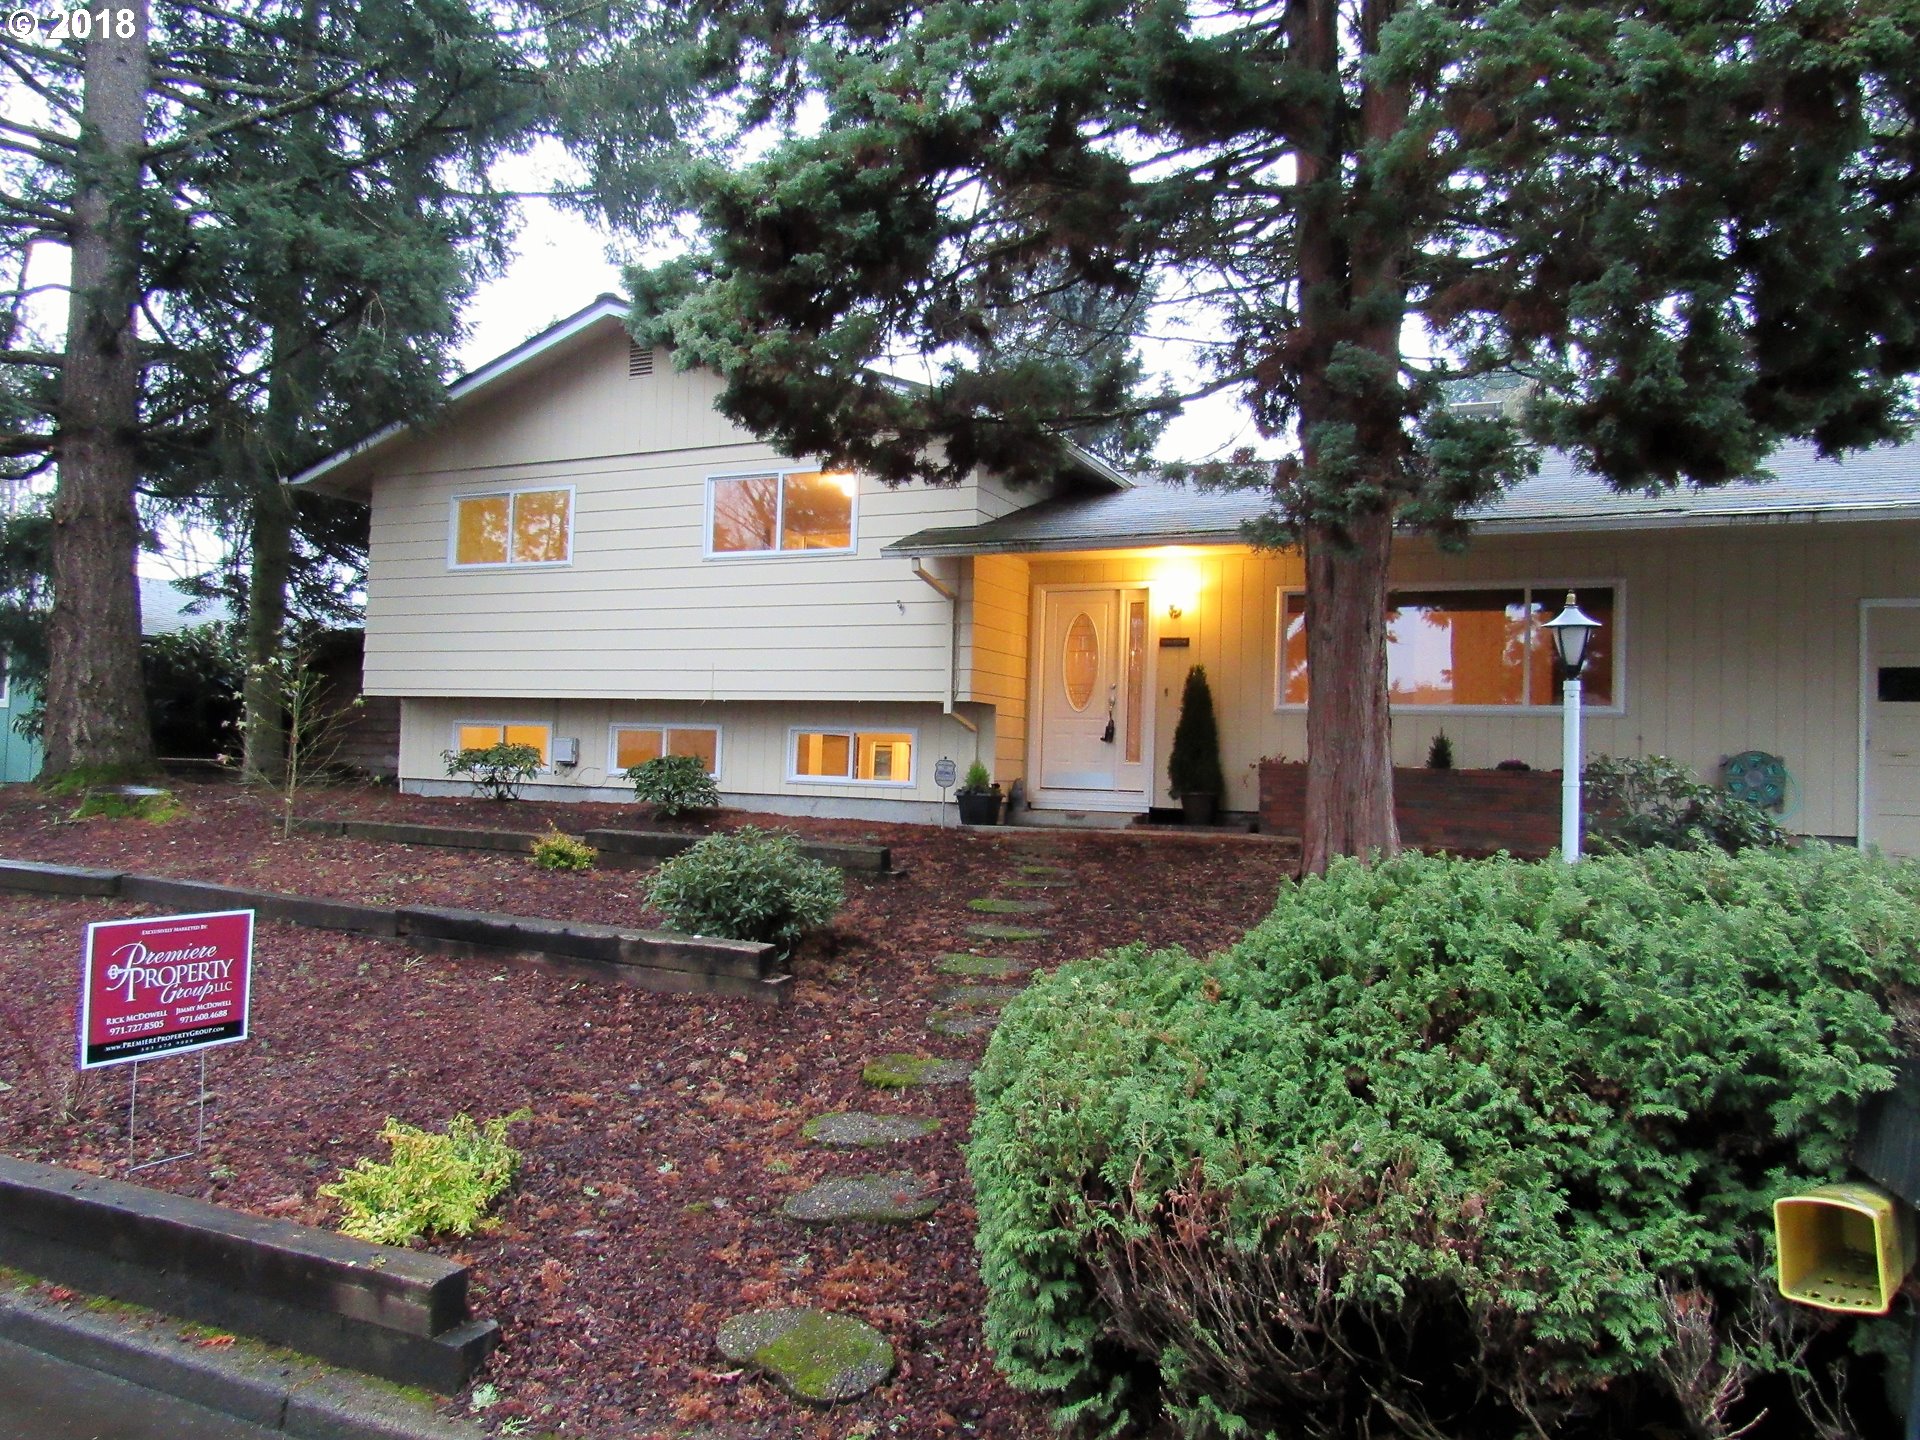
x=584 y=555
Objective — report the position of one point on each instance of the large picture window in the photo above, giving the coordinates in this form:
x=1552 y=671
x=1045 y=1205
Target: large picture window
x=878 y=757
x=1484 y=647
x=780 y=512
x=514 y=527
x=485 y=734
x=637 y=744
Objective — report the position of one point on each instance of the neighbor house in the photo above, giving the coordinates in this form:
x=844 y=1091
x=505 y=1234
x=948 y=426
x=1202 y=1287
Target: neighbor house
x=585 y=556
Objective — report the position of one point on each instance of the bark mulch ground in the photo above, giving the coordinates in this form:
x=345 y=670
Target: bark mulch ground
x=666 y=1131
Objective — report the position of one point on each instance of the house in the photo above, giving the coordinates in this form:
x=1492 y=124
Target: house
x=585 y=556
x=163 y=610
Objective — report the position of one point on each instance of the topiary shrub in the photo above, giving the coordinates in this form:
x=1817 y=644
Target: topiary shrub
x=674 y=784
x=435 y=1184
x=1630 y=804
x=1442 y=1148
x=498 y=771
x=1193 y=762
x=747 y=884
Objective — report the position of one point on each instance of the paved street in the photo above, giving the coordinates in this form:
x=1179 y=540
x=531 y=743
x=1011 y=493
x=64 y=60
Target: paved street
x=46 y=1399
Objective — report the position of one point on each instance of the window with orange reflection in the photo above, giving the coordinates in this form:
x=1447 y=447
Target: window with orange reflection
x=879 y=757
x=485 y=734
x=781 y=512
x=516 y=527
x=1483 y=646
x=637 y=744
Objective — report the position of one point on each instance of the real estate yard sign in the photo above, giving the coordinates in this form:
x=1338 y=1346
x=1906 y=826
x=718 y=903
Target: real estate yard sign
x=168 y=985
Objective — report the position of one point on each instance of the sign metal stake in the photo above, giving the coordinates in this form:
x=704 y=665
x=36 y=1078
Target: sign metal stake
x=199 y=1122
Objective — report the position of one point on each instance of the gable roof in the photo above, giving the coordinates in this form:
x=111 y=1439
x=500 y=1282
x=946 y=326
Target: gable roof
x=1882 y=483
x=345 y=472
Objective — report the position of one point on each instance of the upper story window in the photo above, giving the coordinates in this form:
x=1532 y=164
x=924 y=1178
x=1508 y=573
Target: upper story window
x=1480 y=646
x=780 y=512
x=513 y=527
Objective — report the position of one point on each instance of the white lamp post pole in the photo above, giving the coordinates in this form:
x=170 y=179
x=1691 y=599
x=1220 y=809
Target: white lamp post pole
x=1570 y=771
x=1572 y=632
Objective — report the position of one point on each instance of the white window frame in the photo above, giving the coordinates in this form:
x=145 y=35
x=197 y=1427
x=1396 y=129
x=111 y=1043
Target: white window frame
x=853 y=734
x=6 y=679
x=614 y=767
x=1556 y=588
x=453 y=528
x=778 y=473
x=546 y=767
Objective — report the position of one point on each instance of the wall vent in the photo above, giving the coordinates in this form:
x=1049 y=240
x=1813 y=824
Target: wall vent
x=639 y=359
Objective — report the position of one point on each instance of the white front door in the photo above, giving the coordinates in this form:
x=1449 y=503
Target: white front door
x=1892 y=705
x=1093 y=687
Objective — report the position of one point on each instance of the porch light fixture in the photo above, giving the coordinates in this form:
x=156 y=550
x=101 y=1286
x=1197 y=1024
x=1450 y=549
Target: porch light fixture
x=1573 y=630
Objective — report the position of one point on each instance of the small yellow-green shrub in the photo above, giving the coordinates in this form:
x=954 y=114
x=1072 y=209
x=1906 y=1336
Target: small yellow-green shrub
x=554 y=851
x=434 y=1184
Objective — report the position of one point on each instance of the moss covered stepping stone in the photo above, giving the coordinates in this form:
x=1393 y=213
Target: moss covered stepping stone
x=890 y=1199
x=994 y=905
x=975 y=997
x=1047 y=872
x=897 y=1072
x=856 y=1127
x=808 y=1353
x=991 y=967
x=957 y=1022
x=993 y=931
x=1029 y=884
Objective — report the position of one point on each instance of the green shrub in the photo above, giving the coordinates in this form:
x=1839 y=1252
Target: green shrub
x=499 y=770
x=434 y=1185
x=1440 y=752
x=1193 y=763
x=1441 y=1148
x=554 y=851
x=747 y=884
x=978 y=781
x=673 y=784
x=1630 y=804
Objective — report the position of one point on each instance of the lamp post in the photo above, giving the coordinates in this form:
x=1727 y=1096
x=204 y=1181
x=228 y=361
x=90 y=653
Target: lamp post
x=1572 y=635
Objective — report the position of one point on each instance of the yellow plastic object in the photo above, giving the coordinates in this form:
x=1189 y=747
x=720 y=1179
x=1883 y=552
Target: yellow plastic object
x=1843 y=1247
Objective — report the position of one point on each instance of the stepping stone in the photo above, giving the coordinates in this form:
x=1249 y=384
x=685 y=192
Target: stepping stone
x=958 y=1023
x=892 y=1199
x=996 y=906
x=1007 y=932
x=856 y=1127
x=1037 y=884
x=808 y=1353
x=898 y=1072
x=975 y=997
x=991 y=967
x=1047 y=872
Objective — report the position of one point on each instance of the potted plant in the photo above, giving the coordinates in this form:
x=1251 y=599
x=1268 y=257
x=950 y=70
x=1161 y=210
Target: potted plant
x=978 y=797
x=1193 y=769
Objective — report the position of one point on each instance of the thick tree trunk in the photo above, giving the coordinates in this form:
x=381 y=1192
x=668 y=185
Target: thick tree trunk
x=271 y=540
x=96 y=716
x=1349 y=731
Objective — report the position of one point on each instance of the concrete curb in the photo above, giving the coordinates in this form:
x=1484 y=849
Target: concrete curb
x=276 y=1390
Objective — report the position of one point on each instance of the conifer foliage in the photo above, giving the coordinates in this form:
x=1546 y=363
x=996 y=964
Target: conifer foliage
x=1689 y=231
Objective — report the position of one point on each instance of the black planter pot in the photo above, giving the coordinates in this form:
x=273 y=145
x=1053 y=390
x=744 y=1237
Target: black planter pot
x=1199 y=809
x=979 y=807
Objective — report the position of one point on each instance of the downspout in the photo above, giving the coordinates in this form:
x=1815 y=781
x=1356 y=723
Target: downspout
x=952 y=597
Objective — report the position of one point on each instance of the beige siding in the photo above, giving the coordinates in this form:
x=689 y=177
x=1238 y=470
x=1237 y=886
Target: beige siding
x=993 y=653
x=754 y=740
x=639 y=611
x=1731 y=639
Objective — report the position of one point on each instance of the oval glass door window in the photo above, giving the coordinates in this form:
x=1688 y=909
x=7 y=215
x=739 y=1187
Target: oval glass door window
x=1081 y=664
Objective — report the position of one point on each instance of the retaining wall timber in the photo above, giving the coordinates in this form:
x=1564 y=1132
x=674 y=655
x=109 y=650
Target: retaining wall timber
x=398 y=1314
x=658 y=960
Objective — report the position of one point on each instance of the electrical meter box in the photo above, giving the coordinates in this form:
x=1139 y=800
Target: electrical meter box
x=1843 y=1247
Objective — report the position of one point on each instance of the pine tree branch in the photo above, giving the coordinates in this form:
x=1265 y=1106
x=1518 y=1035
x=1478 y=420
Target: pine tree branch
x=46 y=92
x=41 y=358
x=45 y=54
x=34 y=132
x=306 y=101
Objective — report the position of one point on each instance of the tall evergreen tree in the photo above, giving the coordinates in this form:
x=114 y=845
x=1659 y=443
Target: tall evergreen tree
x=1691 y=228
x=273 y=210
